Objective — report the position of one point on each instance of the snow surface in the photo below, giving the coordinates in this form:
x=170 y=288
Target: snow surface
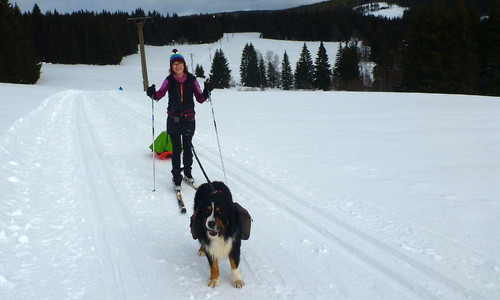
x=383 y=9
x=353 y=195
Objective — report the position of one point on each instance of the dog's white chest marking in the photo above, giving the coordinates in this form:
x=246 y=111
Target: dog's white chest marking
x=219 y=248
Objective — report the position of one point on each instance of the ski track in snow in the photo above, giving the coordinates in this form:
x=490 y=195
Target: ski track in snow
x=118 y=242
x=374 y=252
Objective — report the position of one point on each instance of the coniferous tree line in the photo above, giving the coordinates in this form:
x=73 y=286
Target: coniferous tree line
x=104 y=38
x=452 y=50
x=96 y=38
x=383 y=36
x=163 y=30
x=257 y=71
x=82 y=37
x=459 y=57
x=445 y=49
x=409 y=53
x=19 y=61
x=337 y=24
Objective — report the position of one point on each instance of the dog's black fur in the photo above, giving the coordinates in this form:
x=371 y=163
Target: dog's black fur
x=216 y=226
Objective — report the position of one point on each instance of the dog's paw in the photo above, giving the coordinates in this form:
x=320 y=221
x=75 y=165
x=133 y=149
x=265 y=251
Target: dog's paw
x=201 y=252
x=238 y=284
x=213 y=283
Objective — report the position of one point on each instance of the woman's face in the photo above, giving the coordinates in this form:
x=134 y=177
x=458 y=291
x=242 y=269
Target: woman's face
x=178 y=68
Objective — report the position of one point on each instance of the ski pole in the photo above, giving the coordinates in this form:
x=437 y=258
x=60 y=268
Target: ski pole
x=217 y=135
x=153 y=128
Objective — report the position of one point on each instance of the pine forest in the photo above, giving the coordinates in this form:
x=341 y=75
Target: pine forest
x=436 y=47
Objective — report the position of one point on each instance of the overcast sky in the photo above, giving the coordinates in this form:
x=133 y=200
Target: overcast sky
x=181 y=7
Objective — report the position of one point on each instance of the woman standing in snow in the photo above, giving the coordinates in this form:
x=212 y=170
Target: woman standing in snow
x=180 y=86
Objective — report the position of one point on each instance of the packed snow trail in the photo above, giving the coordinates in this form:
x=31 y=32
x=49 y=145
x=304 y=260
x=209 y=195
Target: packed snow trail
x=113 y=229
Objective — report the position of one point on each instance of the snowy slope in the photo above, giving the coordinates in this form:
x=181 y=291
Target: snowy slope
x=382 y=9
x=353 y=195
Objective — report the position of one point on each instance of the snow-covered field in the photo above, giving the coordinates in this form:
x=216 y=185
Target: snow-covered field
x=382 y=9
x=353 y=195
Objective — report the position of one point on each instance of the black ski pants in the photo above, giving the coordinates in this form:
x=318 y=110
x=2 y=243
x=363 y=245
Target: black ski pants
x=181 y=134
x=179 y=143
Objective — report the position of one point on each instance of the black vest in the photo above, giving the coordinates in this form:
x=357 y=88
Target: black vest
x=174 y=97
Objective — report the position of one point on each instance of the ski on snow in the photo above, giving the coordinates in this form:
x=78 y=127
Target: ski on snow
x=194 y=186
x=178 y=194
x=182 y=207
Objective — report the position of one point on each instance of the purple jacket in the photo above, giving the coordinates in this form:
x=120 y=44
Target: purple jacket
x=181 y=83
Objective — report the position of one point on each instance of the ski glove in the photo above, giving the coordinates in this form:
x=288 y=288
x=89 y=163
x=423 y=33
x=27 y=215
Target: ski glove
x=208 y=88
x=151 y=92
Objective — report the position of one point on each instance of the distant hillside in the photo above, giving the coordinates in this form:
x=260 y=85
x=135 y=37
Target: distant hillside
x=481 y=5
x=328 y=5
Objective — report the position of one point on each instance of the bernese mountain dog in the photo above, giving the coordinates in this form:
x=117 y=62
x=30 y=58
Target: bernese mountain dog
x=217 y=226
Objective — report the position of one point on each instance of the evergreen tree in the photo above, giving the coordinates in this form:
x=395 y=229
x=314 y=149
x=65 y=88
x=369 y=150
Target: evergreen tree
x=107 y=46
x=463 y=62
x=19 y=61
x=423 y=61
x=244 y=64
x=273 y=74
x=490 y=45
x=338 y=69
x=249 y=68
x=346 y=73
x=441 y=53
x=262 y=72
x=89 y=40
x=385 y=72
x=220 y=74
x=286 y=73
x=199 y=72
x=304 y=71
x=322 y=70
x=37 y=29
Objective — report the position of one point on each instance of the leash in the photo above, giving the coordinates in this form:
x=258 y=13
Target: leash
x=203 y=170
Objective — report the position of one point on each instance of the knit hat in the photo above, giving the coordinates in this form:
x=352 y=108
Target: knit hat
x=176 y=57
